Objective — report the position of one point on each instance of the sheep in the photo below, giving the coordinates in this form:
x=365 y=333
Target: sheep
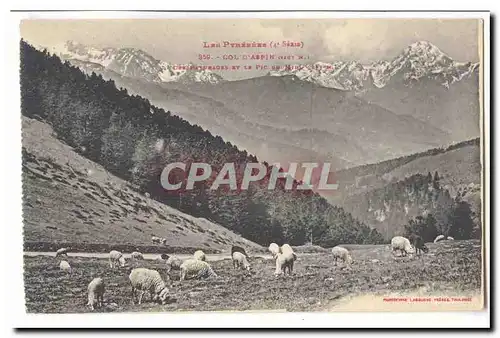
x=288 y=248
x=163 y=241
x=402 y=244
x=114 y=257
x=419 y=244
x=341 y=253
x=96 y=293
x=236 y=248
x=284 y=260
x=450 y=238
x=147 y=280
x=439 y=238
x=62 y=252
x=136 y=255
x=274 y=249
x=196 y=268
x=64 y=266
x=199 y=255
x=173 y=263
x=240 y=260
x=155 y=240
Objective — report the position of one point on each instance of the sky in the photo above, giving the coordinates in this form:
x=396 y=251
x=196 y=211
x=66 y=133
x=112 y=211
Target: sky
x=181 y=40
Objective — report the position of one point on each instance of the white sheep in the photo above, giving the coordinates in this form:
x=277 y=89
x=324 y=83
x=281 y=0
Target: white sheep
x=64 y=266
x=288 y=248
x=274 y=249
x=284 y=260
x=450 y=238
x=136 y=255
x=402 y=244
x=240 y=261
x=116 y=257
x=197 y=269
x=147 y=280
x=342 y=254
x=173 y=263
x=62 y=252
x=439 y=238
x=156 y=240
x=199 y=255
x=96 y=293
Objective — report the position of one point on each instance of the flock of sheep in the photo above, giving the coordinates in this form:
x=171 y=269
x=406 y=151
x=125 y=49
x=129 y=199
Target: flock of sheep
x=145 y=280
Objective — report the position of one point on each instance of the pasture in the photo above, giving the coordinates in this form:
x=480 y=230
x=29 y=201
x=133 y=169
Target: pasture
x=452 y=268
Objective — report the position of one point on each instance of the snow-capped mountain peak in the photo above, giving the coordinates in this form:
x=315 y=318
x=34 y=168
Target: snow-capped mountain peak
x=419 y=60
x=130 y=62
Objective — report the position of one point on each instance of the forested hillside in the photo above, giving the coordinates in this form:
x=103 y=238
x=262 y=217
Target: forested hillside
x=416 y=204
x=135 y=140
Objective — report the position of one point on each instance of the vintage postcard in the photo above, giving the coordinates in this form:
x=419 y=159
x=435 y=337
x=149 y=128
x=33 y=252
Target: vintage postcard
x=254 y=163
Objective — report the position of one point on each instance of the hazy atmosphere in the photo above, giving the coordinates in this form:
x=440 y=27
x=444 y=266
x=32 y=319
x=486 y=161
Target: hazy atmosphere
x=180 y=40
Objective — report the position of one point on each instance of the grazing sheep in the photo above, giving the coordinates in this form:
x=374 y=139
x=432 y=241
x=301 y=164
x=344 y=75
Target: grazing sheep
x=62 y=252
x=115 y=257
x=199 y=255
x=342 y=254
x=274 y=249
x=173 y=263
x=450 y=238
x=136 y=255
x=419 y=244
x=240 y=261
x=164 y=241
x=236 y=248
x=64 y=266
x=197 y=269
x=402 y=244
x=439 y=238
x=284 y=260
x=288 y=248
x=96 y=293
x=155 y=240
x=147 y=280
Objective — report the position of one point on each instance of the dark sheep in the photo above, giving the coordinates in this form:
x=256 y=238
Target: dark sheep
x=236 y=248
x=419 y=244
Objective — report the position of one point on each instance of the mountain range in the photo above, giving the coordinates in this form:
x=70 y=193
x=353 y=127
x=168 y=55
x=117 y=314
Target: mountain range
x=416 y=62
x=130 y=62
x=346 y=113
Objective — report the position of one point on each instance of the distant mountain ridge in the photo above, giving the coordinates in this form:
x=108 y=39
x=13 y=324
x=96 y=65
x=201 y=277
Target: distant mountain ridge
x=129 y=62
x=380 y=194
x=419 y=60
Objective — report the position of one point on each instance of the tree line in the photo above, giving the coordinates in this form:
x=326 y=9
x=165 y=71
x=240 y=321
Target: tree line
x=448 y=216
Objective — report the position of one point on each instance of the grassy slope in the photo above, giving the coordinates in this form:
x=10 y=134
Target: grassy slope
x=64 y=203
x=449 y=269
